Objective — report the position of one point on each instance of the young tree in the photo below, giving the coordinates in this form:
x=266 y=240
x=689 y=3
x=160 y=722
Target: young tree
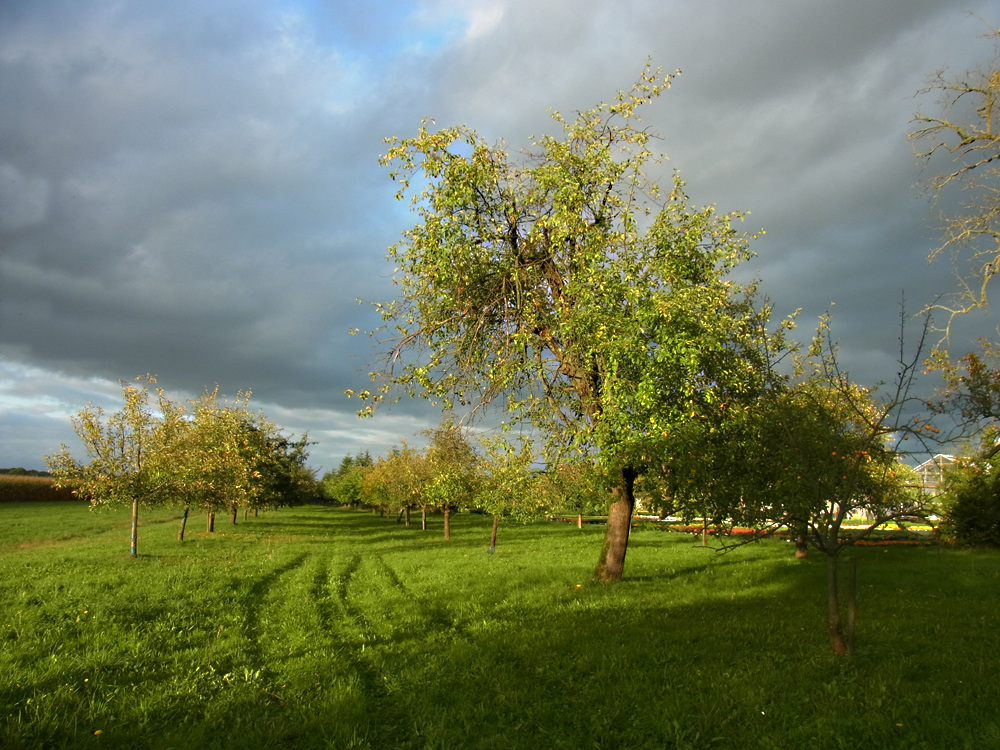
x=567 y=285
x=453 y=471
x=508 y=487
x=232 y=450
x=967 y=128
x=128 y=461
x=398 y=480
x=828 y=451
x=577 y=488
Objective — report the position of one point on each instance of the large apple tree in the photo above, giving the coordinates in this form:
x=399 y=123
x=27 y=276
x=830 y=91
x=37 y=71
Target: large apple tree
x=564 y=285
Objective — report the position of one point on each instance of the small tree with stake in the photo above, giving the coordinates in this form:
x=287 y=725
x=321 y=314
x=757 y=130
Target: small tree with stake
x=508 y=487
x=453 y=471
x=128 y=464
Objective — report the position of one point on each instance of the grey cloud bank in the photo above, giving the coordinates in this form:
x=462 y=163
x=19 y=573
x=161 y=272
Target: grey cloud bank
x=192 y=189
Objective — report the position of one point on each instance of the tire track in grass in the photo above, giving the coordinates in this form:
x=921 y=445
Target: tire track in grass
x=306 y=679
x=390 y=723
x=254 y=601
x=430 y=615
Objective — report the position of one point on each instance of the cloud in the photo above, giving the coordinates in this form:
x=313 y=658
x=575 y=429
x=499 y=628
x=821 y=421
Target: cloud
x=192 y=189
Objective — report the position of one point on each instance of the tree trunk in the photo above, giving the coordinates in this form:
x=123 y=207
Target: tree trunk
x=579 y=520
x=611 y=563
x=211 y=521
x=493 y=536
x=184 y=520
x=407 y=516
x=852 y=602
x=232 y=515
x=423 y=519
x=801 y=545
x=837 y=642
x=447 y=522
x=704 y=532
x=135 y=527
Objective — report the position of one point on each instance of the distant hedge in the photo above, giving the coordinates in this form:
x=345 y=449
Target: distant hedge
x=22 y=488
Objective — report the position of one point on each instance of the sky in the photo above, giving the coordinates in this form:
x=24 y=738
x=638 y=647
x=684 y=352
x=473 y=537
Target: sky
x=192 y=189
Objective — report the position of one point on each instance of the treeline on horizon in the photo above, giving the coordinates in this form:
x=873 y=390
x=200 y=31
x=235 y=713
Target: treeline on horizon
x=20 y=471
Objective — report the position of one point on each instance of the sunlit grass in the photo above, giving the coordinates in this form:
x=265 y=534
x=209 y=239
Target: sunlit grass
x=320 y=627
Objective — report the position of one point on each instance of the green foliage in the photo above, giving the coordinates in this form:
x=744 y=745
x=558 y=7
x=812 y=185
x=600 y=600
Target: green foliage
x=345 y=484
x=565 y=284
x=399 y=480
x=970 y=502
x=286 y=478
x=128 y=462
x=20 y=471
x=577 y=488
x=452 y=469
x=508 y=486
x=971 y=493
x=211 y=453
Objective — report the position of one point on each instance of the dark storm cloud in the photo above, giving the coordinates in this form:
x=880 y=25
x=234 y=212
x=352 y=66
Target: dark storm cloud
x=192 y=189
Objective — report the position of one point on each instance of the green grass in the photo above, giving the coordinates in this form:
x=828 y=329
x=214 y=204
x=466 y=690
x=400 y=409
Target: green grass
x=321 y=627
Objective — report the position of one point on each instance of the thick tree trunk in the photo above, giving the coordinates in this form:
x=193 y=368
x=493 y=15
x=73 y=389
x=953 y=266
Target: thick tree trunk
x=837 y=641
x=447 y=523
x=611 y=564
x=135 y=527
x=184 y=520
x=493 y=536
x=211 y=522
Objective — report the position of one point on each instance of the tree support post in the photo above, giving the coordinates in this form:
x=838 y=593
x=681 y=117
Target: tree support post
x=135 y=527
x=184 y=520
x=493 y=536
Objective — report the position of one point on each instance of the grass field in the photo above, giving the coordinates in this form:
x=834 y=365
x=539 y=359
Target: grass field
x=322 y=627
